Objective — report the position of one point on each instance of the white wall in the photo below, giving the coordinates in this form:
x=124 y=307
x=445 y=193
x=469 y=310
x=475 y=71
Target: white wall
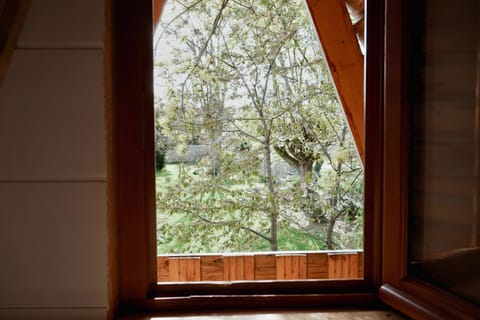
x=53 y=229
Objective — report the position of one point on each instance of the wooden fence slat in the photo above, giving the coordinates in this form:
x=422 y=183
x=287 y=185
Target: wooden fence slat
x=260 y=266
x=236 y=267
x=265 y=267
x=345 y=258
x=317 y=265
x=334 y=266
x=211 y=268
x=162 y=269
x=290 y=267
x=342 y=265
x=173 y=269
x=352 y=266
x=184 y=269
x=360 y=265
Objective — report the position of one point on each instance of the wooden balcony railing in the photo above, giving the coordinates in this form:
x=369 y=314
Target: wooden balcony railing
x=260 y=266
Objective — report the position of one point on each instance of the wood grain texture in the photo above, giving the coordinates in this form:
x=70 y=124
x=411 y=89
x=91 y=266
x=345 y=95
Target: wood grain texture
x=295 y=265
x=436 y=136
x=444 y=130
x=265 y=266
x=317 y=266
x=212 y=268
x=184 y=269
x=345 y=61
x=132 y=100
x=342 y=266
x=162 y=268
x=134 y=147
x=291 y=267
x=238 y=267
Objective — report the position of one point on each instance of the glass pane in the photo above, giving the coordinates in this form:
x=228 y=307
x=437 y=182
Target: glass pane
x=258 y=176
x=444 y=227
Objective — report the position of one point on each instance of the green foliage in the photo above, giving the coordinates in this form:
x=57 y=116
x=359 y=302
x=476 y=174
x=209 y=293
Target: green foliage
x=249 y=81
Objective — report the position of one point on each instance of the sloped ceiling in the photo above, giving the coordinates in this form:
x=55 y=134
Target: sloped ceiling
x=12 y=16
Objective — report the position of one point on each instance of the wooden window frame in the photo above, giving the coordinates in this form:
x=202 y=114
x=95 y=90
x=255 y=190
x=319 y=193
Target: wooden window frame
x=130 y=135
x=132 y=194
x=411 y=295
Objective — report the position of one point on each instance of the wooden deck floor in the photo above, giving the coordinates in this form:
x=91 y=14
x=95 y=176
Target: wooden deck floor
x=284 y=315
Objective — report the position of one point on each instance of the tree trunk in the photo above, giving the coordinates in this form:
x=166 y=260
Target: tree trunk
x=331 y=225
x=272 y=198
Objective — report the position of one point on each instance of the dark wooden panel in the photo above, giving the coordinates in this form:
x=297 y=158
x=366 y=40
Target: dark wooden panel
x=317 y=266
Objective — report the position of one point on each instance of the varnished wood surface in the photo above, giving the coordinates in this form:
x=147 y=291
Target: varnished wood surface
x=445 y=130
x=345 y=61
x=157 y=12
x=296 y=265
x=281 y=315
x=133 y=144
x=401 y=289
x=133 y=197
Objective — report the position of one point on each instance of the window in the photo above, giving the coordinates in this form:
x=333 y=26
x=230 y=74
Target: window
x=256 y=153
x=136 y=191
x=431 y=185
x=386 y=185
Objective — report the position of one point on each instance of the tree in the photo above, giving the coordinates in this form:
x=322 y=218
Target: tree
x=250 y=81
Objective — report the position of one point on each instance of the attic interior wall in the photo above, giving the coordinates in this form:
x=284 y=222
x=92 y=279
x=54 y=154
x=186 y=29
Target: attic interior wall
x=53 y=225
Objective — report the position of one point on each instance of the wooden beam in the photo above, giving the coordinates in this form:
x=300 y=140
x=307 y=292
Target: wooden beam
x=157 y=12
x=345 y=61
x=356 y=10
x=12 y=17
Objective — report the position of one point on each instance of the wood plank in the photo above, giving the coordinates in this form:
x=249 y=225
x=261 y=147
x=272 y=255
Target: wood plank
x=356 y=9
x=212 y=268
x=134 y=164
x=345 y=61
x=317 y=265
x=265 y=267
x=291 y=266
x=238 y=267
x=162 y=269
x=157 y=12
x=360 y=273
x=12 y=17
x=353 y=266
x=342 y=265
x=261 y=266
x=184 y=269
x=338 y=314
